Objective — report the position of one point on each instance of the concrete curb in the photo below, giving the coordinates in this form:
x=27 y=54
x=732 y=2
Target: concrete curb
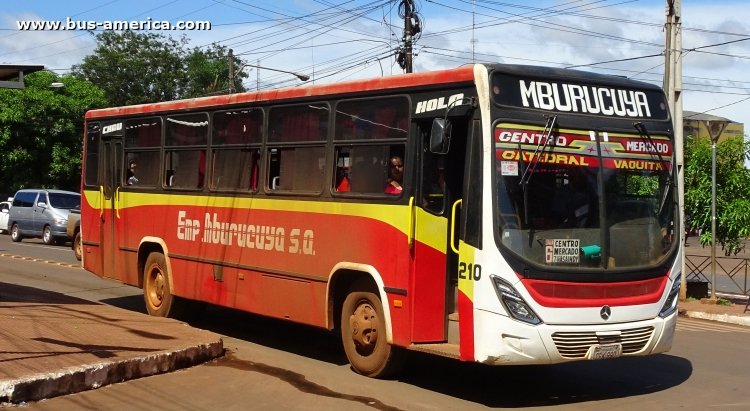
x=95 y=375
x=724 y=318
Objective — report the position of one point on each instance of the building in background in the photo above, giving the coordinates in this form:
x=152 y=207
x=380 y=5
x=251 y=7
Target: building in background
x=11 y=75
x=696 y=124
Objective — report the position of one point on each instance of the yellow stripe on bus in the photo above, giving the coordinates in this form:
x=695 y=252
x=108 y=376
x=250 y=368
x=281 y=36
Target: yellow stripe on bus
x=430 y=229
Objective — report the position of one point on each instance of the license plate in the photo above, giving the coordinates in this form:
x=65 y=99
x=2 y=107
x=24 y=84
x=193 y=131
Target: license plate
x=603 y=352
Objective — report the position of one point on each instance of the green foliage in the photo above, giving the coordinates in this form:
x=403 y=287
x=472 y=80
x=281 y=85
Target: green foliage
x=724 y=302
x=41 y=132
x=732 y=191
x=208 y=72
x=135 y=68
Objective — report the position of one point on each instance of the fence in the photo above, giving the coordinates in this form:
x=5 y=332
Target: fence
x=731 y=272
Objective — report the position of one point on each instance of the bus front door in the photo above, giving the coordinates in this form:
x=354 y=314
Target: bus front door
x=110 y=168
x=435 y=264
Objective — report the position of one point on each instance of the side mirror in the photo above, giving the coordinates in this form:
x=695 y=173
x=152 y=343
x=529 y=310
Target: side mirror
x=440 y=136
x=41 y=204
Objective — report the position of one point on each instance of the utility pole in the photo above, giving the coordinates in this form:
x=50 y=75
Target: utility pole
x=408 y=11
x=404 y=57
x=673 y=89
x=231 y=71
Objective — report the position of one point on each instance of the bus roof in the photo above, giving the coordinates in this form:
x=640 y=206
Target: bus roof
x=457 y=75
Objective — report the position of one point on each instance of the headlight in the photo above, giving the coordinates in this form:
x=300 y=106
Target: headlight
x=670 y=305
x=61 y=221
x=513 y=302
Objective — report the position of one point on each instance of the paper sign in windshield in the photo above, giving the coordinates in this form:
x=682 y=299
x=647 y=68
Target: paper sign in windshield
x=509 y=168
x=562 y=251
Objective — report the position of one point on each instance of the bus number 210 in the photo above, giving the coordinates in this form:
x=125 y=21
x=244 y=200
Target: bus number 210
x=469 y=271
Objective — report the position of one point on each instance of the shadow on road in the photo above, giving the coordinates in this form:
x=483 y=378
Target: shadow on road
x=500 y=386
x=23 y=294
x=548 y=385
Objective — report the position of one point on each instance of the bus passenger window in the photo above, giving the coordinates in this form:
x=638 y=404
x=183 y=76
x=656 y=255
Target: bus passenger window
x=274 y=165
x=366 y=169
x=227 y=163
x=342 y=184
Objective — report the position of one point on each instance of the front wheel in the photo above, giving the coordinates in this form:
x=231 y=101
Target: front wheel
x=47 y=236
x=364 y=338
x=15 y=233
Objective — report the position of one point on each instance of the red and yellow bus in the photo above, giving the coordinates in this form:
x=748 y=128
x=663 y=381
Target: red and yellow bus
x=533 y=219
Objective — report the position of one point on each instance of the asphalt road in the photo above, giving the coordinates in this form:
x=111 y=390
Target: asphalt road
x=35 y=248
x=272 y=364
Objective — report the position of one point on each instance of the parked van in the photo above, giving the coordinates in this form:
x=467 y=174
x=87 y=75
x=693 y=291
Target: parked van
x=41 y=213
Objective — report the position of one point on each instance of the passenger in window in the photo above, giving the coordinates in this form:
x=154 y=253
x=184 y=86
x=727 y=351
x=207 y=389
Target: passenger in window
x=343 y=186
x=131 y=178
x=395 y=176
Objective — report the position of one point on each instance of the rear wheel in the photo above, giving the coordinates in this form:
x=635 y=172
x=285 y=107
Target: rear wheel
x=15 y=233
x=364 y=338
x=47 y=236
x=157 y=292
x=77 y=247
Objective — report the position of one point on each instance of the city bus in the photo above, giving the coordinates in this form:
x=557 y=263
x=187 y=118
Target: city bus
x=499 y=214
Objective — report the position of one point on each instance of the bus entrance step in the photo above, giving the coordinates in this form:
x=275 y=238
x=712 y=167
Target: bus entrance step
x=441 y=349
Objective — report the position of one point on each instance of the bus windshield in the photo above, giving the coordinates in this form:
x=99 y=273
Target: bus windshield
x=584 y=199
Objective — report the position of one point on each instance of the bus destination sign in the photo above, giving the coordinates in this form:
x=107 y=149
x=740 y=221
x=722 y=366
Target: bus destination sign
x=568 y=97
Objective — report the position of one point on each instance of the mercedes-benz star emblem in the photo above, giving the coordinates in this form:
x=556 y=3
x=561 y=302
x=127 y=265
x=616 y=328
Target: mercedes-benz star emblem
x=605 y=312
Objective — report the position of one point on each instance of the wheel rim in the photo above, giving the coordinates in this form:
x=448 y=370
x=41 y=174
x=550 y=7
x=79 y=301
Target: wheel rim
x=364 y=328
x=47 y=234
x=78 y=246
x=155 y=286
x=14 y=231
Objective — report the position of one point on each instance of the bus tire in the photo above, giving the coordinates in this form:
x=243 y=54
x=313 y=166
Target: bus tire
x=157 y=294
x=364 y=339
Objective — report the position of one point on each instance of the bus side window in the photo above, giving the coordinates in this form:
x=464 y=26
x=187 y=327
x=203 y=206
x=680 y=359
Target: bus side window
x=169 y=178
x=254 y=169
x=363 y=169
x=342 y=182
x=274 y=168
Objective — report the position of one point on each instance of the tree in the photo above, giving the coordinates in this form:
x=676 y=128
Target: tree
x=208 y=72
x=135 y=68
x=732 y=191
x=41 y=131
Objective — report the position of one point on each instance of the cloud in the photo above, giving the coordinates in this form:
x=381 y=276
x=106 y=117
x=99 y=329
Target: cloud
x=53 y=49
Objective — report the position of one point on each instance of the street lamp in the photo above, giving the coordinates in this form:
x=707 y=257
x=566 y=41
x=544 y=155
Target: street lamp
x=715 y=128
x=301 y=77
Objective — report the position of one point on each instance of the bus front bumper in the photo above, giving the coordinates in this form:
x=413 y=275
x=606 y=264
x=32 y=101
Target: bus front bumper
x=502 y=340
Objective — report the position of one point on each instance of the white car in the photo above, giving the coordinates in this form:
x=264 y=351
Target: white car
x=4 y=213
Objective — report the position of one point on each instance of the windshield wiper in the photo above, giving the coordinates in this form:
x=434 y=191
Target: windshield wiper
x=534 y=162
x=654 y=153
x=546 y=137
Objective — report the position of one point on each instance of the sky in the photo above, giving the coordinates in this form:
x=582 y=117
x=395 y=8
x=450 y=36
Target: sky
x=334 y=40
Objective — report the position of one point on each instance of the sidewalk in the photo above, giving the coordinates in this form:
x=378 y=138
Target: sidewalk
x=52 y=344
x=732 y=314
